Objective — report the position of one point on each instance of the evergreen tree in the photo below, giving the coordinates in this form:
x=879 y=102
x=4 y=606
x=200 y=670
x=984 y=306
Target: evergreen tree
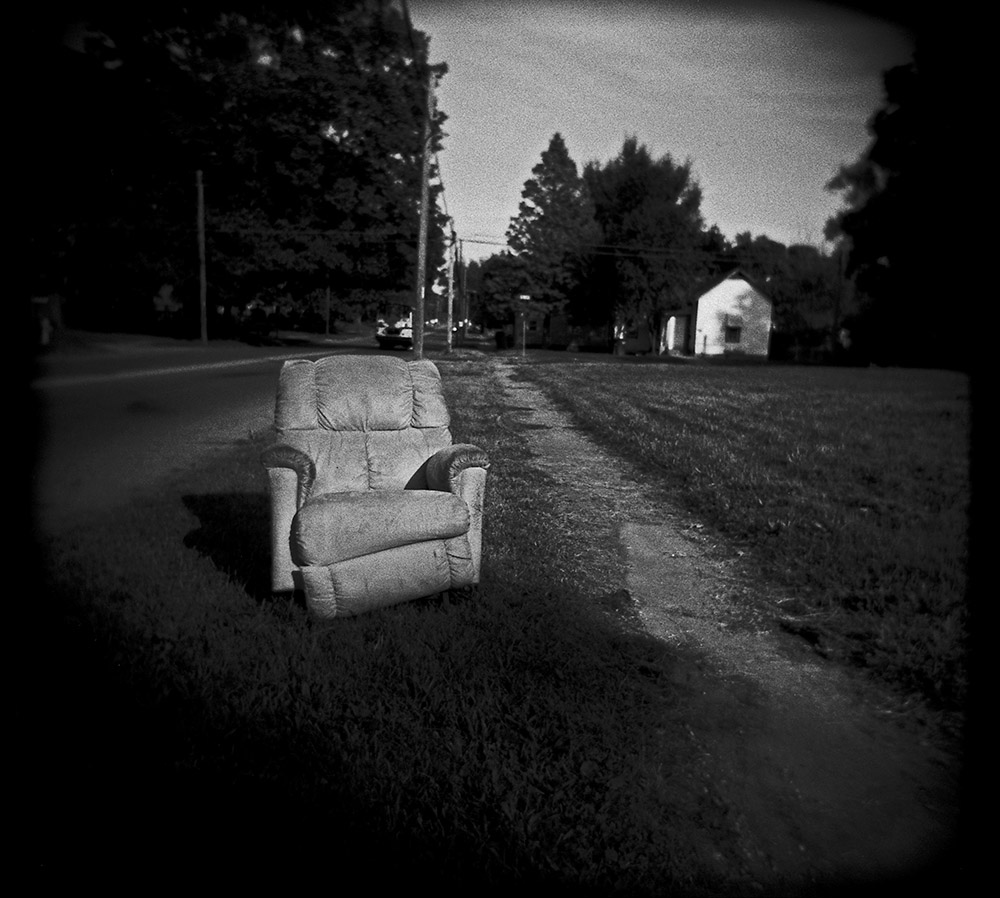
x=553 y=227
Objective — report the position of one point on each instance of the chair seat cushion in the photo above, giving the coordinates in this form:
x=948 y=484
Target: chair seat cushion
x=334 y=527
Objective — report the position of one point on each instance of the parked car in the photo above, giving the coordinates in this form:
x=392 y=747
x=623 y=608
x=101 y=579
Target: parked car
x=398 y=336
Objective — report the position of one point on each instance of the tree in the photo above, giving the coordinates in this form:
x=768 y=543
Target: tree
x=553 y=228
x=804 y=286
x=306 y=121
x=470 y=278
x=654 y=241
x=885 y=224
x=101 y=220
x=329 y=121
x=501 y=279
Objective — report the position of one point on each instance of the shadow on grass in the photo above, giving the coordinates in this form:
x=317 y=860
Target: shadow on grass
x=234 y=536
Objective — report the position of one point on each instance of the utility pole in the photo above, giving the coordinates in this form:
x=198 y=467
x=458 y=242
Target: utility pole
x=463 y=290
x=460 y=285
x=202 y=284
x=451 y=287
x=425 y=168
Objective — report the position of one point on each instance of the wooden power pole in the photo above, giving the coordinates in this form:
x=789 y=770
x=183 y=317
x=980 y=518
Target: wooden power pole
x=202 y=283
x=451 y=289
x=425 y=169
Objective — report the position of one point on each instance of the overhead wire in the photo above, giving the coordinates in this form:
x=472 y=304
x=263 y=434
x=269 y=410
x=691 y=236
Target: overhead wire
x=629 y=251
x=620 y=251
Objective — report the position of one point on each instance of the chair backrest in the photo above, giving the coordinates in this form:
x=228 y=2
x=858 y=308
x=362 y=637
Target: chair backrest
x=367 y=422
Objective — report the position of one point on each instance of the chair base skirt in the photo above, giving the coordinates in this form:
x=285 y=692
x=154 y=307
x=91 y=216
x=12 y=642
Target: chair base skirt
x=385 y=578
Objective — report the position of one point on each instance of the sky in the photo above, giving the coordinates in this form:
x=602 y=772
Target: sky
x=765 y=99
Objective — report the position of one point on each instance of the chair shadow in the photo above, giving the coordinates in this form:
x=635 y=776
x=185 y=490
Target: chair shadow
x=234 y=536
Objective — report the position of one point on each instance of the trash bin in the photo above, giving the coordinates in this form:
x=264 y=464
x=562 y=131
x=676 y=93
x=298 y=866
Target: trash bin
x=501 y=339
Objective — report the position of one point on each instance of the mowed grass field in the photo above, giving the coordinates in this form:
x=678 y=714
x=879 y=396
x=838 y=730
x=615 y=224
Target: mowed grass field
x=846 y=490
x=521 y=735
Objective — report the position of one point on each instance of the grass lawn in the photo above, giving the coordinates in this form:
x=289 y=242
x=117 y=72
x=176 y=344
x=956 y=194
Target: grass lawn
x=847 y=491
x=515 y=734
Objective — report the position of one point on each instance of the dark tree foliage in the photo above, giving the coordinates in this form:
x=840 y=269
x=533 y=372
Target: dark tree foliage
x=650 y=255
x=885 y=224
x=305 y=121
x=470 y=277
x=502 y=278
x=553 y=229
x=806 y=290
x=802 y=282
x=653 y=249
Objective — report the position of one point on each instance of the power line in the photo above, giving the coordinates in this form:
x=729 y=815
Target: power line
x=370 y=235
x=627 y=251
x=484 y=242
x=291 y=233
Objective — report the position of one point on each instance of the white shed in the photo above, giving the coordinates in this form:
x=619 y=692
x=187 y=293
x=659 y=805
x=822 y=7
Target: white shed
x=730 y=315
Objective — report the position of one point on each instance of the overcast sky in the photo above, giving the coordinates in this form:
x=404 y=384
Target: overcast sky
x=767 y=100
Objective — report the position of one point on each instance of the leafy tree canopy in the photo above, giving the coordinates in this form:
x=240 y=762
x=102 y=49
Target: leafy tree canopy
x=885 y=221
x=802 y=282
x=502 y=278
x=306 y=121
x=649 y=212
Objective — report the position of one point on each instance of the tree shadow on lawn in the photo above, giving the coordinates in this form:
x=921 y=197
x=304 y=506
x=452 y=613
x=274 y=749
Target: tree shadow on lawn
x=234 y=536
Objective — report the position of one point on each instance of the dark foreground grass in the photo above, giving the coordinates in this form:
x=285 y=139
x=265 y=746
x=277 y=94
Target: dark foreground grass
x=846 y=490
x=514 y=735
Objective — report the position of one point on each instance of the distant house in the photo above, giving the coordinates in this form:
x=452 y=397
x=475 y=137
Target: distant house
x=538 y=328
x=730 y=315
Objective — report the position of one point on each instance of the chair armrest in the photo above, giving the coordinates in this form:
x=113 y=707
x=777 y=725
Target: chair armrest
x=446 y=464
x=282 y=456
x=461 y=470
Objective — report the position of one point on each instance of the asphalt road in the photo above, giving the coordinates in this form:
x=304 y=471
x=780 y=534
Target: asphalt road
x=116 y=415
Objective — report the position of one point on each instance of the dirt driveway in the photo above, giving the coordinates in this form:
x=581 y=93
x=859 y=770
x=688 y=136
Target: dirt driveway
x=829 y=787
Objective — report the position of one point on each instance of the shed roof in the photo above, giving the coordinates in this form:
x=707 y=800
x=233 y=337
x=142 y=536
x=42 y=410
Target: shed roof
x=731 y=274
x=688 y=306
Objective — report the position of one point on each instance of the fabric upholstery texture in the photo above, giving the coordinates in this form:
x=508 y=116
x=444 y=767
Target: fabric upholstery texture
x=371 y=503
x=388 y=577
x=338 y=526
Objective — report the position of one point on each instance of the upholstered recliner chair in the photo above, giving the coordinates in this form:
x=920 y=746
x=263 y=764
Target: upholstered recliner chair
x=371 y=503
